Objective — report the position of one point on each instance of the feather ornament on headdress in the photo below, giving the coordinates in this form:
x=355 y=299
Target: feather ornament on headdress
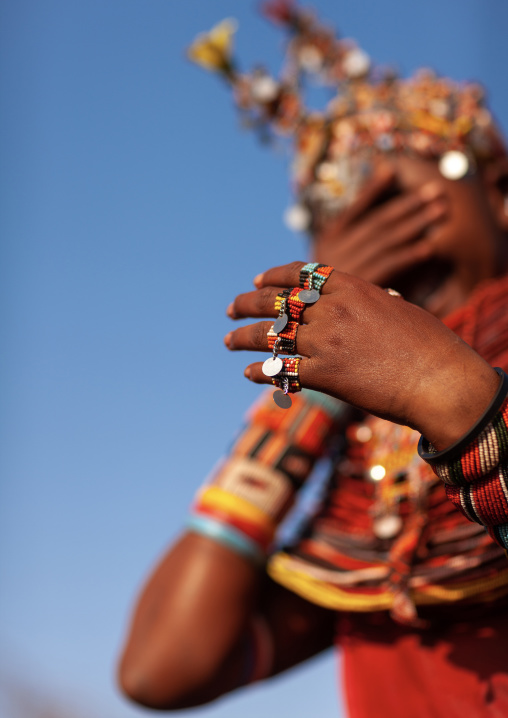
x=372 y=111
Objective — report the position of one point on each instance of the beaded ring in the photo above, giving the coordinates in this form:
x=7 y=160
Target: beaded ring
x=286 y=339
x=314 y=275
x=288 y=378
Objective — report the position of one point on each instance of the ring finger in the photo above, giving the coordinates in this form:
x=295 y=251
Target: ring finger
x=254 y=372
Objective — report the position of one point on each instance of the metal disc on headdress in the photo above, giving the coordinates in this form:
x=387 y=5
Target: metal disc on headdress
x=280 y=323
x=454 y=165
x=281 y=399
x=272 y=366
x=309 y=296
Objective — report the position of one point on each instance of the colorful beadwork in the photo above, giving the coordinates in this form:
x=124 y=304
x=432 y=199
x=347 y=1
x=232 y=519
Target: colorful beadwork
x=288 y=378
x=371 y=111
x=314 y=275
x=437 y=557
x=226 y=535
x=286 y=339
x=288 y=302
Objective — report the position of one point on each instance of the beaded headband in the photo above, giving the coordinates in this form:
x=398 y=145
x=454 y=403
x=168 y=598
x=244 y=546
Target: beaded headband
x=372 y=111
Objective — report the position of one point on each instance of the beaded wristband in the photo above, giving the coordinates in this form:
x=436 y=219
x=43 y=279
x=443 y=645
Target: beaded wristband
x=286 y=339
x=451 y=458
x=262 y=536
x=235 y=506
x=474 y=469
x=226 y=535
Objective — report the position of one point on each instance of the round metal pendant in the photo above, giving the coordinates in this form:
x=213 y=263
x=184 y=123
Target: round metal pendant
x=387 y=526
x=280 y=323
x=281 y=399
x=309 y=296
x=454 y=165
x=272 y=366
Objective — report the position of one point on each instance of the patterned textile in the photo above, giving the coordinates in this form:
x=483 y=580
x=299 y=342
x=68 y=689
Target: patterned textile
x=387 y=537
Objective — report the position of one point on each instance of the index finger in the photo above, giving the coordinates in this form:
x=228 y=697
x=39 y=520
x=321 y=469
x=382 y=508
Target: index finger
x=382 y=180
x=287 y=275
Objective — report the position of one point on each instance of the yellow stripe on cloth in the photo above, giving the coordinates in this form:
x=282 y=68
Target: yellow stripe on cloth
x=329 y=596
x=216 y=498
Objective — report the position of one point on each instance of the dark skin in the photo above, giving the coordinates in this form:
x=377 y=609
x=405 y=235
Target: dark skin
x=409 y=229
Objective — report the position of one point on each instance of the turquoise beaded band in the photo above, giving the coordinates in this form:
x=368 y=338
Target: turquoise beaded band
x=226 y=535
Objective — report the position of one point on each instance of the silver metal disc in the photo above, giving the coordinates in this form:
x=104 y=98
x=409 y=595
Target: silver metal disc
x=387 y=526
x=281 y=399
x=272 y=366
x=309 y=296
x=280 y=323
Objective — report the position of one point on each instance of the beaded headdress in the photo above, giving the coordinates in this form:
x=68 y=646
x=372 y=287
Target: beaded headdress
x=372 y=111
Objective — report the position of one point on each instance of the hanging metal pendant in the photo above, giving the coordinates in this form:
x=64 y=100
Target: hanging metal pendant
x=272 y=366
x=308 y=296
x=280 y=323
x=281 y=399
x=387 y=526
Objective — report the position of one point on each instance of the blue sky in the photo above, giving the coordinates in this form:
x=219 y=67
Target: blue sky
x=132 y=210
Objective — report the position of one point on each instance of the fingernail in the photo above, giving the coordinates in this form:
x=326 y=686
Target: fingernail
x=247 y=372
x=430 y=191
x=227 y=340
x=230 y=311
x=258 y=280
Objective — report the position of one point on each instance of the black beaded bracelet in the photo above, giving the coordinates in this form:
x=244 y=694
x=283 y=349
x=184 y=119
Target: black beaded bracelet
x=434 y=457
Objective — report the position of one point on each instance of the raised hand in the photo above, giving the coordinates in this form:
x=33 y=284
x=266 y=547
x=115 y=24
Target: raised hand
x=387 y=230
x=374 y=351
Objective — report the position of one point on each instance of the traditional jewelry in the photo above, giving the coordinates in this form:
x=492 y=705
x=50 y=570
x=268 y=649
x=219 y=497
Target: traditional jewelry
x=312 y=279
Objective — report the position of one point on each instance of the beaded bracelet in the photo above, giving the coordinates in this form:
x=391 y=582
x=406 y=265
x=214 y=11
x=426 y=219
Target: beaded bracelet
x=227 y=536
x=449 y=461
x=474 y=469
x=262 y=536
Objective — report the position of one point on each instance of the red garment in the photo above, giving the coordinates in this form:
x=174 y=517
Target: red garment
x=458 y=671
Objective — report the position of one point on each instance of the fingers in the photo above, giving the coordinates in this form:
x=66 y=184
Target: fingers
x=428 y=203
x=260 y=303
x=287 y=275
x=253 y=337
x=254 y=372
x=383 y=180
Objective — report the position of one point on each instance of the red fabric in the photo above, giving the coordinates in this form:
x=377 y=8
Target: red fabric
x=390 y=671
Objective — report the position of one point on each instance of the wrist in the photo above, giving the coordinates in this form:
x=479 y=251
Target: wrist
x=456 y=403
x=435 y=454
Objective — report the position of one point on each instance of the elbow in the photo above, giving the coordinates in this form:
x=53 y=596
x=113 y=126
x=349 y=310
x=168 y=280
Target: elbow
x=170 y=686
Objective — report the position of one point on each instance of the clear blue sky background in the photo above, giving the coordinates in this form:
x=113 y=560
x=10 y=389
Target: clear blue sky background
x=132 y=211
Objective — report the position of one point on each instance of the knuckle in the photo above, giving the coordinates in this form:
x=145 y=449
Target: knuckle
x=265 y=300
x=295 y=267
x=258 y=335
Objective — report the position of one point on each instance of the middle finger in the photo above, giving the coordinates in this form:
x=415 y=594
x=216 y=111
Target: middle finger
x=260 y=303
x=254 y=337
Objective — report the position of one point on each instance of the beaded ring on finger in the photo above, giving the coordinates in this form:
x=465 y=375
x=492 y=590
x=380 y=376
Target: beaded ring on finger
x=287 y=381
x=312 y=279
x=285 y=341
